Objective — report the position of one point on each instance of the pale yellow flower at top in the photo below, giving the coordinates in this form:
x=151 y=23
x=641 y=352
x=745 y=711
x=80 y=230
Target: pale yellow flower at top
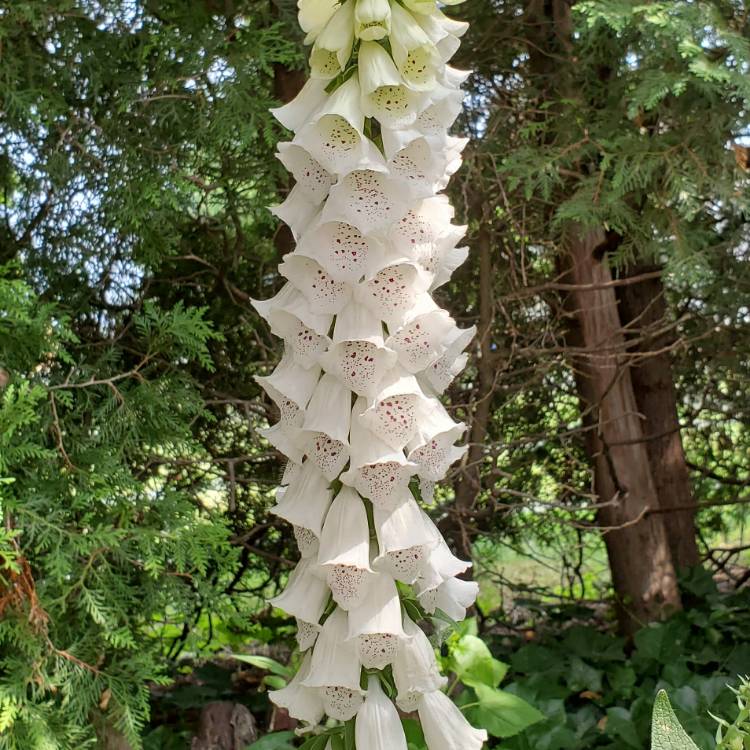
x=372 y=19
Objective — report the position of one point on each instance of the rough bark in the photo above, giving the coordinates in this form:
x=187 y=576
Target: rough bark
x=225 y=726
x=643 y=311
x=643 y=574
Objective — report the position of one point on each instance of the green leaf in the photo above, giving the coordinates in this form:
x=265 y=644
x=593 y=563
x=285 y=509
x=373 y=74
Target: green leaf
x=501 y=713
x=414 y=735
x=275 y=741
x=472 y=661
x=349 y=743
x=666 y=731
x=318 y=742
x=265 y=662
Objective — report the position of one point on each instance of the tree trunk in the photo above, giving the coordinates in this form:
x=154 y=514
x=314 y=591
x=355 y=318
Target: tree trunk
x=643 y=312
x=643 y=574
x=225 y=726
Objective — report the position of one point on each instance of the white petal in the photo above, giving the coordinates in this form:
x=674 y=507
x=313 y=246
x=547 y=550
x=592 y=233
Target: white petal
x=343 y=251
x=420 y=6
x=403 y=540
x=334 y=659
x=445 y=727
x=348 y=584
x=307 y=634
x=297 y=112
x=380 y=612
x=453 y=597
x=285 y=439
x=393 y=291
x=308 y=173
x=301 y=702
x=378 y=724
x=442 y=372
x=291 y=301
x=290 y=386
x=306 y=501
x=414 y=52
x=329 y=409
x=314 y=15
x=306 y=594
x=415 y=669
x=358 y=323
x=307 y=543
x=372 y=19
x=420 y=342
x=324 y=294
x=333 y=47
x=369 y=200
x=297 y=210
x=345 y=539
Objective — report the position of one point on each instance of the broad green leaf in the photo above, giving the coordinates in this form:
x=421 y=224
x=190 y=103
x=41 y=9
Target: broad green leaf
x=501 y=713
x=666 y=731
x=472 y=661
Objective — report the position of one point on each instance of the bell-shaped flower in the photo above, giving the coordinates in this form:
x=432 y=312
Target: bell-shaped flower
x=368 y=200
x=377 y=471
x=422 y=167
x=358 y=356
x=445 y=727
x=326 y=426
x=308 y=173
x=372 y=19
x=297 y=113
x=441 y=373
x=335 y=669
x=397 y=409
x=432 y=447
x=302 y=702
x=414 y=52
x=334 y=134
x=333 y=45
x=297 y=211
x=415 y=668
x=313 y=15
x=289 y=316
x=444 y=32
x=376 y=622
x=345 y=549
x=385 y=96
x=420 y=341
x=290 y=386
x=324 y=294
x=292 y=470
x=440 y=566
x=393 y=291
x=378 y=724
x=404 y=542
x=306 y=500
x=306 y=594
x=440 y=115
x=342 y=250
x=454 y=596
x=308 y=542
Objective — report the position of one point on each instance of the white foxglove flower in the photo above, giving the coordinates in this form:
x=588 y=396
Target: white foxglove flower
x=334 y=134
x=313 y=15
x=290 y=386
x=404 y=542
x=333 y=45
x=420 y=341
x=335 y=669
x=415 y=669
x=306 y=594
x=454 y=596
x=393 y=291
x=369 y=200
x=306 y=500
x=445 y=727
x=326 y=423
x=442 y=372
x=414 y=53
x=444 y=32
x=420 y=6
x=345 y=549
x=297 y=211
x=376 y=623
x=297 y=113
x=324 y=294
x=303 y=703
x=385 y=96
x=372 y=19
x=378 y=724
x=308 y=173
x=377 y=471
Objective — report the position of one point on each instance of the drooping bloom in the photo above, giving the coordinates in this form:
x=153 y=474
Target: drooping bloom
x=368 y=352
